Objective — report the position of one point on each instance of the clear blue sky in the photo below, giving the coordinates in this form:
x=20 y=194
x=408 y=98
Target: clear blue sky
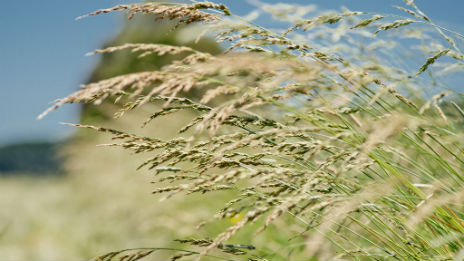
x=42 y=52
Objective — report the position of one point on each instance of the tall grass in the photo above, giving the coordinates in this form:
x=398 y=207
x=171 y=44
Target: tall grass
x=320 y=130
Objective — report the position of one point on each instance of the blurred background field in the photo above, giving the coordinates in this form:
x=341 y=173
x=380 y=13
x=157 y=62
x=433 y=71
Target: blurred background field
x=79 y=215
x=98 y=203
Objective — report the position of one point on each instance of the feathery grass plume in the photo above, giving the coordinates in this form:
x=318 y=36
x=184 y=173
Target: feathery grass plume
x=160 y=49
x=433 y=101
x=438 y=28
x=408 y=11
x=185 y=13
x=323 y=19
x=325 y=142
x=396 y=24
x=367 y=22
x=431 y=60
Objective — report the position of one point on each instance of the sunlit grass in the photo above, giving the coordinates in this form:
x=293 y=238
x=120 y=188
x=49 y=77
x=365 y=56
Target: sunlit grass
x=325 y=146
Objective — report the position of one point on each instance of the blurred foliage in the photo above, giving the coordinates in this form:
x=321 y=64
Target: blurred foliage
x=37 y=158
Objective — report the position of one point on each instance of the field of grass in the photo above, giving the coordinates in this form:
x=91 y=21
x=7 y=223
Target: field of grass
x=103 y=204
x=325 y=151
x=80 y=216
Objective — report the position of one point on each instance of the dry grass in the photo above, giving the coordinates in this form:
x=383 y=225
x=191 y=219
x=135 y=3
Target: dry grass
x=304 y=131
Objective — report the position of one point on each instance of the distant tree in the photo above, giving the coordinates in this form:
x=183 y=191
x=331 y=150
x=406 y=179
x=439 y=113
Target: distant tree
x=38 y=158
x=142 y=29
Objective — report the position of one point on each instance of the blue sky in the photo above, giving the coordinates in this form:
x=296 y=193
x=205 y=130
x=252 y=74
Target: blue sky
x=42 y=52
